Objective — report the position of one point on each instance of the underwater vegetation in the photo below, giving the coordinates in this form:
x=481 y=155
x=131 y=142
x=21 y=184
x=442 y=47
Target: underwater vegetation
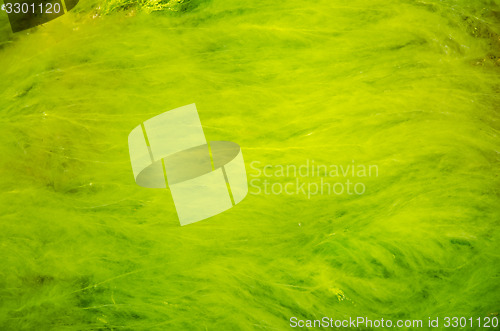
x=411 y=87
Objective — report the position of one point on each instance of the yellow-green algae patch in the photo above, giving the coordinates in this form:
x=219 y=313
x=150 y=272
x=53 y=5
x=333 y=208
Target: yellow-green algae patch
x=411 y=86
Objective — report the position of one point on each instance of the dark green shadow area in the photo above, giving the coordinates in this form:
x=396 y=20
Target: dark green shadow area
x=27 y=14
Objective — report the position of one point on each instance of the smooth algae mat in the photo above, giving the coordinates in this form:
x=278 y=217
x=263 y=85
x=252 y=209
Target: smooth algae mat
x=410 y=87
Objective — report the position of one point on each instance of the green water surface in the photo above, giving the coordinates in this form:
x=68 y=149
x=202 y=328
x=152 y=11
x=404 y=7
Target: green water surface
x=409 y=86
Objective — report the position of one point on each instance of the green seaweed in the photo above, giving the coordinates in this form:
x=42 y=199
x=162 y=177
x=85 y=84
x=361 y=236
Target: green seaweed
x=410 y=86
